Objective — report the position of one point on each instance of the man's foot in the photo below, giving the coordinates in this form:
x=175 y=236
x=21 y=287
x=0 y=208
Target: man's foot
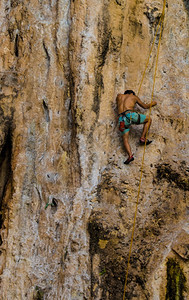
x=142 y=141
x=129 y=159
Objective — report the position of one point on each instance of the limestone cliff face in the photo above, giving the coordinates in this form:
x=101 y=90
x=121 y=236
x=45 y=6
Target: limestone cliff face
x=67 y=201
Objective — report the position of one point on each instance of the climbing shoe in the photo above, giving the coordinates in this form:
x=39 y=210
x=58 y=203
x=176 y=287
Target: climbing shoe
x=129 y=159
x=142 y=141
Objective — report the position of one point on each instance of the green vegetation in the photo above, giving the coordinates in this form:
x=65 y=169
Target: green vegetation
x=102 y=272
x=39 y=293
x=176 y=281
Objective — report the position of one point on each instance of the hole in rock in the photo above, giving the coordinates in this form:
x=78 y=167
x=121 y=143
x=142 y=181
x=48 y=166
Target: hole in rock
x=16 y=46
x=46 y=111
x=54 y=205
x=5 y=173
x=54 y=202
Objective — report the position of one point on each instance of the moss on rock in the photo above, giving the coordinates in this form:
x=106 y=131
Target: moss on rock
x=176 y=281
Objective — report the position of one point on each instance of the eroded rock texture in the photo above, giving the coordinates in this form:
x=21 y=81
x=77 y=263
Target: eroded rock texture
x=67 y=201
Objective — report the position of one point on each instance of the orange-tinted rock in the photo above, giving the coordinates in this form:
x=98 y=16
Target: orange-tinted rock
x=63 y=184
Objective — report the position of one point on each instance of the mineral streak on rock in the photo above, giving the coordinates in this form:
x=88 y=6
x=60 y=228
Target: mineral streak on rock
x=67 y=201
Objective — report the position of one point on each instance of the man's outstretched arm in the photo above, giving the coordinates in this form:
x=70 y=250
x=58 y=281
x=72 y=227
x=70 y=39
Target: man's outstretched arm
x=144 y=105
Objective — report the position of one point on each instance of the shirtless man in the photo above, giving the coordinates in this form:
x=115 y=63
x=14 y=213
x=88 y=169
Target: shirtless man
x=127 y=116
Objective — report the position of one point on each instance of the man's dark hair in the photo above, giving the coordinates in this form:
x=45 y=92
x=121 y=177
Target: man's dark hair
x=129 y=92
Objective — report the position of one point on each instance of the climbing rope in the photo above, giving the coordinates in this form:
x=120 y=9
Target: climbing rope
x=142 y=164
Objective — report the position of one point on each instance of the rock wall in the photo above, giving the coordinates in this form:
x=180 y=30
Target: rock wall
x=67 y=201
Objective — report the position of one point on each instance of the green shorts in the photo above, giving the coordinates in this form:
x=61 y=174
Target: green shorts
x=129 y=119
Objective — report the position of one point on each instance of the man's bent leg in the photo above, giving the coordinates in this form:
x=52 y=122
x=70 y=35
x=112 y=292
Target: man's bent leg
x=126 y=143
x=127 y=147
x=147 y=124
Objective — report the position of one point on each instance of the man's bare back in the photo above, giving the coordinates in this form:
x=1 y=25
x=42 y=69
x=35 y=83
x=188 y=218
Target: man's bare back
x=128 y=101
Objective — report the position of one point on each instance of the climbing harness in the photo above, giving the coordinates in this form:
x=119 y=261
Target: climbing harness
x=160 y=24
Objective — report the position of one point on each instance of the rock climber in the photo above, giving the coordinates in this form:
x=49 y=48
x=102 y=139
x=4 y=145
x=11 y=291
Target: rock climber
x=127 y=116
